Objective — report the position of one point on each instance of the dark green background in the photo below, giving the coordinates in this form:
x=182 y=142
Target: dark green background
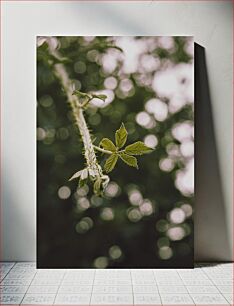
x=59 y=156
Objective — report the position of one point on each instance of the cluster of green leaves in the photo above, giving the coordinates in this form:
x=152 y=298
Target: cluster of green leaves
x=116 y=150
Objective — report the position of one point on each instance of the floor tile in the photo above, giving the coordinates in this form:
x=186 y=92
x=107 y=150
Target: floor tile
x=223 y=282
x=72 y=277
x=26 y=264
x=43 y=289
x=209 y=299
x=164 y=289
x=64 y=289
x=176 y=299
x=111 y=299
x=229 y=297
x=19 y=276
x=147 y=299
x=202 y=289
x=72 y=299
x=197 y=282
x=11 y=299
x=145 y=289
x=6 y=264
x=13 y=289
x=225 y=289
x=143 y=282
x=38 y=299
x=46 y=282
x=113 y=282
x=16 y=282
x=3 y=275
x=169 y=282
x=112 y=289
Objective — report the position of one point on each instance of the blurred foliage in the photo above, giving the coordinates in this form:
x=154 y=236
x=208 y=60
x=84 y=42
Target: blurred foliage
x=144 y=219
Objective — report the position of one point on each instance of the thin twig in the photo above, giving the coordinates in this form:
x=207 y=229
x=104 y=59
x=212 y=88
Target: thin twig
x=102 y=150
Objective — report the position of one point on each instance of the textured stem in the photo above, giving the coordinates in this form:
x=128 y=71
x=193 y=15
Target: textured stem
x=95 y=170
x=90 y=157
x=102 y=150
x=106 y=151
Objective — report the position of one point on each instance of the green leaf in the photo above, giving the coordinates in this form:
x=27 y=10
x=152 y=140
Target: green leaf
x=80 y=94
x=83 y=177
x=129 y=160
x=97 y=186
x=101 y=97
x=121 y=136
x=84 y=174
x=110 y=162
x=107 y=144
x=137 y=148
x=76 y=175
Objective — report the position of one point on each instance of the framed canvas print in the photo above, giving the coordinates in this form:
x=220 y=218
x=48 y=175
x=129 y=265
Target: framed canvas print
x=115 y=152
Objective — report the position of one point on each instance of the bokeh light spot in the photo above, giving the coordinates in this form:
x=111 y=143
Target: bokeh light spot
x=134 y=215
x=63 y=133
x=41 y=133
x=176 y=233
x=107 y=214
x=96 y=201
x=46 y=101
x=64 y=192
x=163 y=241
x=157 y=108
x=135 y=197
x=84 y=225
x=79 y=67
x=143 y=119
x=101 y=262
x=185 y=179
x=187 y=209
x=177 y=216
x=82 y=191
x=165 y=252
x=166 y=164
x=162 y=225
x=146 y=208
x=83 y=203
x=110 y=83
x=151 y=141
x=182 y=131
x=115 y=252
x=112 y=190
x=187 y=148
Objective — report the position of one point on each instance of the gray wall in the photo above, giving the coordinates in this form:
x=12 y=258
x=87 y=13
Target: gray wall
x=211 y=24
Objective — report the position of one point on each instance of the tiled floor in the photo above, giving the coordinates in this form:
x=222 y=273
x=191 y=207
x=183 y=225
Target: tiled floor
x=22 y=283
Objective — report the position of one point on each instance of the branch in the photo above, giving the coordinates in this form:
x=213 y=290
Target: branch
x=94 y=169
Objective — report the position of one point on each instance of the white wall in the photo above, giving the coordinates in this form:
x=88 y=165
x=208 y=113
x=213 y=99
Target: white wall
x=211 y=24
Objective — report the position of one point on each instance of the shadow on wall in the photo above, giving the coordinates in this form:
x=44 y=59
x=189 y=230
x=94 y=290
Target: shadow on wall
x=210 y=226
